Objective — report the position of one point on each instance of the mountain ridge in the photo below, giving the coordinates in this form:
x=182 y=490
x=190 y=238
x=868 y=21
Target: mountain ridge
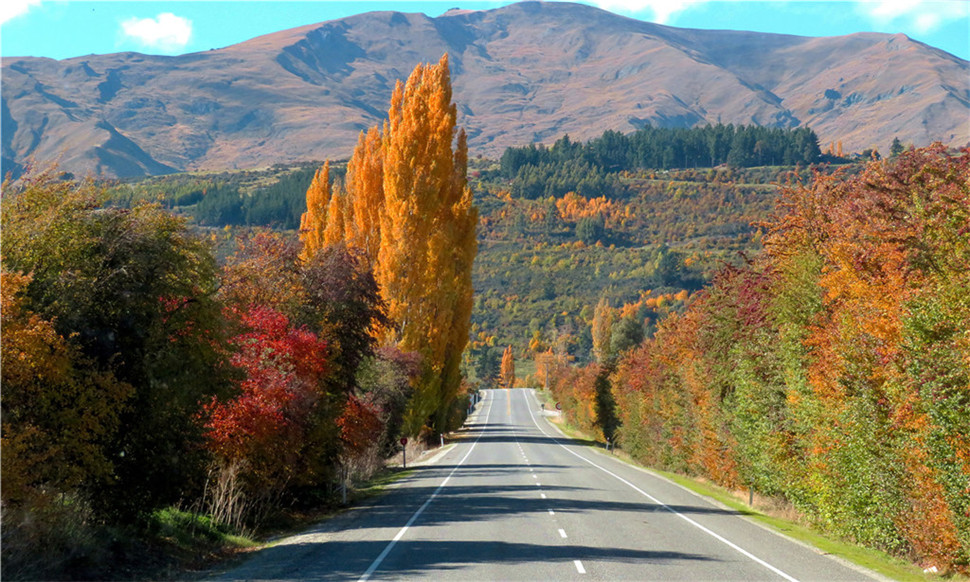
x=526 y=72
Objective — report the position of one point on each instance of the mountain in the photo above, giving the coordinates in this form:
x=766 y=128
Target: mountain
x=527 y=72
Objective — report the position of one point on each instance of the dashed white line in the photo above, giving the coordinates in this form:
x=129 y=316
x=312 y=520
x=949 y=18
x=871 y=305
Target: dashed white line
x=714 y=535
x=543 y=495
x=551 y=512
x=562 y=533
x=579 y=567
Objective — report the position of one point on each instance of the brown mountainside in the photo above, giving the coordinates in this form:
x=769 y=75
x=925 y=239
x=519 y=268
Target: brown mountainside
x=528 y=72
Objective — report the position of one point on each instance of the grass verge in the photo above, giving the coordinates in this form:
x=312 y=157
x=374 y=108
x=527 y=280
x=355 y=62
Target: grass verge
x=186 y=542
x=189 y=545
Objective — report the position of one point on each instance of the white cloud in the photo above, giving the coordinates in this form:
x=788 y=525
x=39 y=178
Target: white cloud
x=166 y=32
x=924 y=15
x=662 y=9
x=10 y=9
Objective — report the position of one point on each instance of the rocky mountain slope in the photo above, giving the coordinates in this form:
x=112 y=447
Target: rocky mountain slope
x=523 y=73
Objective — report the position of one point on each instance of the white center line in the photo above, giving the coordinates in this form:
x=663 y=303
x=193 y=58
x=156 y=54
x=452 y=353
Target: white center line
x=579 y=567
x=562 y=533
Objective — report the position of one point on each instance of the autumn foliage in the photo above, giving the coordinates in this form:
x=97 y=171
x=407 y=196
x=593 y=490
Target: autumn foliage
x=264 y=425
x=138 y=373
x=56 y=411
x=833 y=369
x=507 y=369
x=406 y=206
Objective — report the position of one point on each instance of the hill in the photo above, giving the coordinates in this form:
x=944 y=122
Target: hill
x=527 y=72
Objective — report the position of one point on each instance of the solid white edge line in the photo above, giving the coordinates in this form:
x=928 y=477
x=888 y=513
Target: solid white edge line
x=716 y=536
x=387 y=549
x=579 y=567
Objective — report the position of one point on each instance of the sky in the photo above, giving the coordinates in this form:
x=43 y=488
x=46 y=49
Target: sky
x=64 y=29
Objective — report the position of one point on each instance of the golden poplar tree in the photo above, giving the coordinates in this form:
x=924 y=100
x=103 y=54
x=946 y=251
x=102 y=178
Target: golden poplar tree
x=408 y=207
x=313 y=222
x=337 y=218
x=427 y=235
x=602 y=327
x=507 y=371
x=365 y=194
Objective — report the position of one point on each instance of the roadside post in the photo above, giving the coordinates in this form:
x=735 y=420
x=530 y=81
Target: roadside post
x=404 y=452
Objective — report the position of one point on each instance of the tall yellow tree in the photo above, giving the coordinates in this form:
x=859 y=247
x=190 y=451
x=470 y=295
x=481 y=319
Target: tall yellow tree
x=507 y=371
x=313 y=222
x=427 y=235
x=602 y=326
x=337 y=217
x=408 y=207
x=365 y=193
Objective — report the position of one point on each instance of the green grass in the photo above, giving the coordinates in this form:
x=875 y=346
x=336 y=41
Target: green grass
x=187 y=530
x=867 y=558
x=378 y=483
x=184 y=542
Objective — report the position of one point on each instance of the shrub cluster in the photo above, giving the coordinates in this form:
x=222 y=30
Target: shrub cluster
x=138 y=373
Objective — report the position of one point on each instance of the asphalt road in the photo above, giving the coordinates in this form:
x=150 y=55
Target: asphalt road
x=516 y=500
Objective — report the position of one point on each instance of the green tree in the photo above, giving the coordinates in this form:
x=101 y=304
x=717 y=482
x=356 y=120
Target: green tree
x=133 y=291
x=57 y=411
x=668 y=267
x=896 y=148
x=488 y=365
x=591 y=229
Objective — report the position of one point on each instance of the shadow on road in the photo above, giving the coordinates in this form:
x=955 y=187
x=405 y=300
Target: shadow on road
x=476 y=492
x=496 y=432
x=348 y=560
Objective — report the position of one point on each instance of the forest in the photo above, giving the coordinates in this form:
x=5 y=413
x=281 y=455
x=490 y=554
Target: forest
x=543 y=257
x=589 y=169
x=830 y=370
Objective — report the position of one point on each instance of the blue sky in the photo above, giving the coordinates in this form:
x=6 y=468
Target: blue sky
x=63 y=29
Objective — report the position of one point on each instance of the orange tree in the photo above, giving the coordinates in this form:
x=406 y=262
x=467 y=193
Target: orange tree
x=406 y=204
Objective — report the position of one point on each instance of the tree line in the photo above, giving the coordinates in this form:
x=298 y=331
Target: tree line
x=831 y=370
x=537 y=170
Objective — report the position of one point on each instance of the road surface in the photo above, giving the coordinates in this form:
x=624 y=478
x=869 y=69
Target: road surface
x=516 y=500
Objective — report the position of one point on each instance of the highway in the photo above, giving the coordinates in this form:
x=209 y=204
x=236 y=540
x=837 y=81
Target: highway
x=516 y=500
